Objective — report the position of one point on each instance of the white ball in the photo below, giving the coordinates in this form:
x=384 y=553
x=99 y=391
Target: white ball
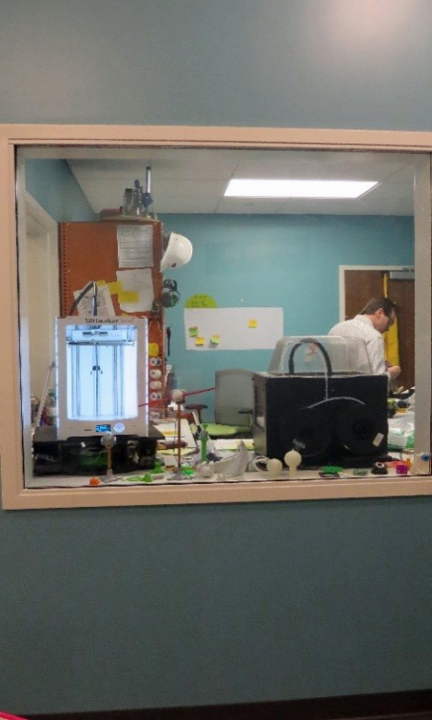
x=292 y=458
x=206 y=470
x=178 y=396
x=274 y=467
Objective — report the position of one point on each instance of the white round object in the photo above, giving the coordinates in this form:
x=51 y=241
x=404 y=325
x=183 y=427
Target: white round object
x=292 y=458
x=178 y=396
x=274 y=467
x=206 y=470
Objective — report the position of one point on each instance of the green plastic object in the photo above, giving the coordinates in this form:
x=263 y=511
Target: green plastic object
x=226 y=431
x=331 y=469
x=188 y=471
x=203 y=440
x=410 y=442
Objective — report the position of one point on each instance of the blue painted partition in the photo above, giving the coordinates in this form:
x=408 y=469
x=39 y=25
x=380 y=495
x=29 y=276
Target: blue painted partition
x=156 y=607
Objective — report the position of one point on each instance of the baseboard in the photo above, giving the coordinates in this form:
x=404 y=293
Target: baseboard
x=415 y=705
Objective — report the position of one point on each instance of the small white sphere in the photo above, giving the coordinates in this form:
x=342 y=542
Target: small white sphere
x=206 y=470
x=274 y=467
x=178 y=396
x=292 y=458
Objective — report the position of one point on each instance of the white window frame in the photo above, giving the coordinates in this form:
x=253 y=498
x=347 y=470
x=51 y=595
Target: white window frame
x=14 y=495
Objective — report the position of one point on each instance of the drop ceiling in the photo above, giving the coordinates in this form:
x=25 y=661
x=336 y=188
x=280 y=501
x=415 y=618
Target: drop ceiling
x=194 y=180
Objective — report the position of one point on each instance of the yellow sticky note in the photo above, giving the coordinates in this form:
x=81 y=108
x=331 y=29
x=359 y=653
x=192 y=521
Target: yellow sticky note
x=115 y=287
x=128 y=296
x=252 y=323
x=100 y=282
x=199 y=341
x=153 y=349
x=215 y=339
x=193 y=332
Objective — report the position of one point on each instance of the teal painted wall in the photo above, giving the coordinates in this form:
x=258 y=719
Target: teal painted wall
x=302 y=63
x=288 y=261
x=144 y=607
x=54 y=187
x=147 y=607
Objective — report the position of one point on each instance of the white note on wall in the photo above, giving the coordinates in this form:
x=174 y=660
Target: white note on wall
x=254 y=328
x=137 y=294
x=135 y=246
x=104 y=306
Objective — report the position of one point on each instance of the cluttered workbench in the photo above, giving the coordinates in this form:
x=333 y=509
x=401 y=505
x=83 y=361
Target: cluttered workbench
x=186 y=457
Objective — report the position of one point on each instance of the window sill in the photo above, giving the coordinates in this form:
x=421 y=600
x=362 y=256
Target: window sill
x=218 y=493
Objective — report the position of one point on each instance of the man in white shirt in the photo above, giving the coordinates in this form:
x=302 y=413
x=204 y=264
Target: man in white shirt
x=374 y=320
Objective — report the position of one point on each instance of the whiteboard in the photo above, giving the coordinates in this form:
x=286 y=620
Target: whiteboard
x=244 y=328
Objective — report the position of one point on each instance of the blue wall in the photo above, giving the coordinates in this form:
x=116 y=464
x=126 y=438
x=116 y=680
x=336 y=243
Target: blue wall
x=302 y=63
x=288 y=261
x=147 y=607
x=54 y=187
x=142 y=607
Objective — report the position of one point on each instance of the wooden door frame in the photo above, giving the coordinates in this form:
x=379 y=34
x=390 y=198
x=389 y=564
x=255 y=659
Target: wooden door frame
x=344 y=268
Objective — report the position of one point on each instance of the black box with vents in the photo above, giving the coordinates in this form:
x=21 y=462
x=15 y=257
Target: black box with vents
x=338 y=419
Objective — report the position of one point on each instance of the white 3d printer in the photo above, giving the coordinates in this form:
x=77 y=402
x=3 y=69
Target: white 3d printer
x=101 y=371
x=101 y=389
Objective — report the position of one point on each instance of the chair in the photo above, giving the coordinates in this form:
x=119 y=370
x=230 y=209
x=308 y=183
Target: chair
x=234 y=402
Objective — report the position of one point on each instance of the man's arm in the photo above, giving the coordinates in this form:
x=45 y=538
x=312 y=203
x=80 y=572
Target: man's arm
x=378 y=363
x=376 y=356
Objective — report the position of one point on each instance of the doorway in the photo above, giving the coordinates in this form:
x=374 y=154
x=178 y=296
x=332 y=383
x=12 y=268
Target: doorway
x=362 y=284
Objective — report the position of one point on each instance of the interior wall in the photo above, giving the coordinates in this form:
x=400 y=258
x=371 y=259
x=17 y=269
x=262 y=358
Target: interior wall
x=288 y=261
x=144 y=607
x=53 y=185
x=303 y=63
x=42 y=279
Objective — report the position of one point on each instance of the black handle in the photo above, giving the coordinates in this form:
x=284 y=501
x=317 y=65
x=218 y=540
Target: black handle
x=303 y=342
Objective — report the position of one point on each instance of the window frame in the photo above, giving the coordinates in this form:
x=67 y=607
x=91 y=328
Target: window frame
x=17 y=497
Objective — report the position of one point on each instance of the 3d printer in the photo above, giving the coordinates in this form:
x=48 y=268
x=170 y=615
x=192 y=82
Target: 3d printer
x=320 y=398
x=101 y=389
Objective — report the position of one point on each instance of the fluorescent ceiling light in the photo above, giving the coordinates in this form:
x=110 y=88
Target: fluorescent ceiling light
x=323 y=189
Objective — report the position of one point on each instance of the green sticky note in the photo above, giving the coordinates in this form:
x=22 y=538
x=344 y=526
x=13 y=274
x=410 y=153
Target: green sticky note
x=215 y=339
x=193 y=331
x=200 y=300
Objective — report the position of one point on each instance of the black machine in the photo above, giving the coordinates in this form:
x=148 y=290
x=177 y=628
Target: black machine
x=338 y=418
x=88 y=456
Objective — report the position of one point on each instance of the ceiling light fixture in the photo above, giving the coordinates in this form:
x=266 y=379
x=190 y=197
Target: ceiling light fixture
x=320 y=189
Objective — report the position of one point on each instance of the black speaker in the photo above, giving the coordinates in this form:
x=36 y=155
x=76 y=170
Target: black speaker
x=340 y=419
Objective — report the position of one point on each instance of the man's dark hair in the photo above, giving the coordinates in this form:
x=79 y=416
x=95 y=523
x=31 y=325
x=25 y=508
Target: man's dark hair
x=375 y=304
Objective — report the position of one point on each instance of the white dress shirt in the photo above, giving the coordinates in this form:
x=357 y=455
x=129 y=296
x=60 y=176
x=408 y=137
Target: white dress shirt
x=362 y=327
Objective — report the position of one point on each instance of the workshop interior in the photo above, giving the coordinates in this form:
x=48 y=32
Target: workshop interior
x=174 y=321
